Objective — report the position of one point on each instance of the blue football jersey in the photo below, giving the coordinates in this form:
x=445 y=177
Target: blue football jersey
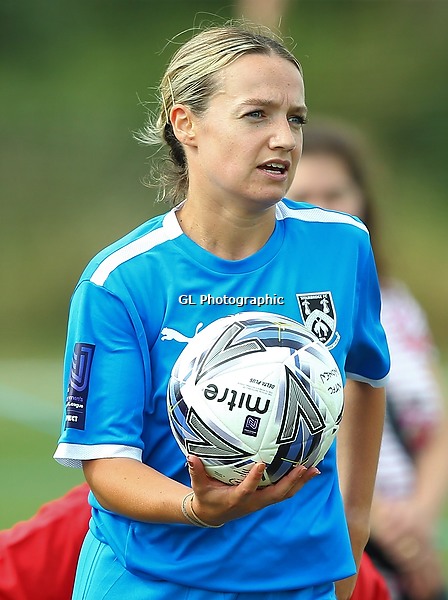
x=136 y=306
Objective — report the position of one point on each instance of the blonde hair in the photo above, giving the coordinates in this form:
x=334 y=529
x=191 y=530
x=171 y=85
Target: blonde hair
x=190 y=79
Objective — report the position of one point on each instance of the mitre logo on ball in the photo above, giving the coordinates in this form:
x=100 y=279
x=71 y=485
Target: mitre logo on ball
x=234 y=398
x=255 y=387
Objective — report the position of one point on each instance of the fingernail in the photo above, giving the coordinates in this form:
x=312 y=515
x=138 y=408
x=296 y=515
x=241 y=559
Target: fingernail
x=190 y=462
x=300 y=468
x=261 y=468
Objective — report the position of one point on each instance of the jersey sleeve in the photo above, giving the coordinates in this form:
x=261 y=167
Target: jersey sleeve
x=368 y=357
x=105 y=380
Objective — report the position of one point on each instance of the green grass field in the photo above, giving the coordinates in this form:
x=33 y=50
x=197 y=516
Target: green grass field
x=29 y=422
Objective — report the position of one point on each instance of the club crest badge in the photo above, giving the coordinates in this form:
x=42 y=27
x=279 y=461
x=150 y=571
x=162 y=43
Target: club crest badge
x=319 y=316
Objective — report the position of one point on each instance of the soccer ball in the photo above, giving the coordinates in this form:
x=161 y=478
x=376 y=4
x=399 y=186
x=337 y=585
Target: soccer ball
x=255 y=387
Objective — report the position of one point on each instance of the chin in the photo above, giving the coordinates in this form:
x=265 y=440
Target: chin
x=268 y=201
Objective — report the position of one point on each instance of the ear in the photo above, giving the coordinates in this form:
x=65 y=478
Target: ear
x=183 y=120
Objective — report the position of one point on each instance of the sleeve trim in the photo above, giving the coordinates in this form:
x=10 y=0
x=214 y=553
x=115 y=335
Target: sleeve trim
x=72 y=455
x=376 y=383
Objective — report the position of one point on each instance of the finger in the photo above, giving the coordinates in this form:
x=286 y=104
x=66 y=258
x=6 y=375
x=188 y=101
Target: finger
x=290 y=484
x=253 y=479
x=198 y=474
x=299 y=477
x=309 y=474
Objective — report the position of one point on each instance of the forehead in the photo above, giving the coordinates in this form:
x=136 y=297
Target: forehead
x=264 y=76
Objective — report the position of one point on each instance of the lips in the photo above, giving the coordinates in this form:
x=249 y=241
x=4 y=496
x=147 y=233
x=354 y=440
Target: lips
x=276 y=167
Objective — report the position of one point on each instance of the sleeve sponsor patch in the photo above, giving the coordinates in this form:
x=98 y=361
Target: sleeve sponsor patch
x=78 y=387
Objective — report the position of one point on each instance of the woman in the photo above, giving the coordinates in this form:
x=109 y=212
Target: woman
x=231 y=114
x=408 y=498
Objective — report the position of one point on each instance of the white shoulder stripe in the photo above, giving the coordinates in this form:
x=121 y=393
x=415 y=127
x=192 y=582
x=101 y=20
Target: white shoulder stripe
x=168 y=231
x=316 y=214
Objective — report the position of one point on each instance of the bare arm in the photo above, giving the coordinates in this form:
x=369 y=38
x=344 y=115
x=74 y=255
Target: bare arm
x=404 y=527
x=432 y=468
x=415 y=515
x=133 y=489
x=359 y=441
x=129 y=487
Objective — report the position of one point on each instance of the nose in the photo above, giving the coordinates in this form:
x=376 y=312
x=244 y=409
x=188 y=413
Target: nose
x=284 y=137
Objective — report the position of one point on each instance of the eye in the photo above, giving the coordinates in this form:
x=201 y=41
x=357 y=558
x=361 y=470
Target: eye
x=255 y=114
x=297 y=120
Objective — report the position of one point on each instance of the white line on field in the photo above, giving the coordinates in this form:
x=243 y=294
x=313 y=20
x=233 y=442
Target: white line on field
x=29 y=410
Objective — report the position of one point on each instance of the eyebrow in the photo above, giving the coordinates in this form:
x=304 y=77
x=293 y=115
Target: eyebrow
x=267 y=102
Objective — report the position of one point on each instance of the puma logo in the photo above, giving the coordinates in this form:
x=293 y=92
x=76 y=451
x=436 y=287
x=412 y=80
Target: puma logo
x=168 y=334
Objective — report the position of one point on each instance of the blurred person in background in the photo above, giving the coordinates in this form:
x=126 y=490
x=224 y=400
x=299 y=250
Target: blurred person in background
x=412 y=477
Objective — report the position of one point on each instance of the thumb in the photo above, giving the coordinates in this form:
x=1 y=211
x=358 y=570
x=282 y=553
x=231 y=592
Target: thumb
x=196 y=469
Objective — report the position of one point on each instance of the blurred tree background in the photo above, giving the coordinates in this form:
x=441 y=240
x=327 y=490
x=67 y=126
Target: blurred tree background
x=75 y=78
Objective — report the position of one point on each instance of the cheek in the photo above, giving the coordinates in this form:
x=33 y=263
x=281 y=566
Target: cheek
x=300 y=142
x=295 y=161
x=227 y=146
x=355 y=205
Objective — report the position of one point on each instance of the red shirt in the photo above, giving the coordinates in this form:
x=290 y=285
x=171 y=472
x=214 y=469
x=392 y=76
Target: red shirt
x=38 y=557
x=370 y=585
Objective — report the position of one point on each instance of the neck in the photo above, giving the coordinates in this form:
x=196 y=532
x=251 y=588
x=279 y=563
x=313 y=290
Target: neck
x=229 y=234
